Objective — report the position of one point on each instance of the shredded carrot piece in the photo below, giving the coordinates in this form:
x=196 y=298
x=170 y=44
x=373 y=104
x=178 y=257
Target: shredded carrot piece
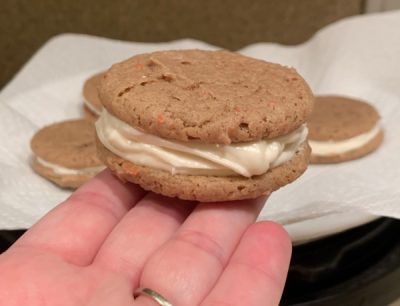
x=139 y=66
x=160 y=119
x=130 y=169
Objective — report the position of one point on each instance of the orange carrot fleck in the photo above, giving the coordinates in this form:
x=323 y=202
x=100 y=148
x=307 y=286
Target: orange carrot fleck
x=130 y=169
x=139 y=66
x=135 y=172
x=160 y=119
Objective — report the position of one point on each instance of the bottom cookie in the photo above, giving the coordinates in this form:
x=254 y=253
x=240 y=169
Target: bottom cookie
x=206 y=188
x=369 y=147
x=64 y=181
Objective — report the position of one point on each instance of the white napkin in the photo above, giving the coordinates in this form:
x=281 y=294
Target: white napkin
x=358 y=57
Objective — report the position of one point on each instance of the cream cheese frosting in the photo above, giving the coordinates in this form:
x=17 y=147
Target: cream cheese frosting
x=327 y=148
x=68 y=171
x=190 y=158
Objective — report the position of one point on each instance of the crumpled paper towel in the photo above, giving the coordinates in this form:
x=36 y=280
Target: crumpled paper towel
x=358 y=57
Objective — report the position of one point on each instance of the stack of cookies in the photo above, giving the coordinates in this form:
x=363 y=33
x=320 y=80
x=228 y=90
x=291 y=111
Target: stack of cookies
x=65 y=152
x=203 y=125
x=342 y=129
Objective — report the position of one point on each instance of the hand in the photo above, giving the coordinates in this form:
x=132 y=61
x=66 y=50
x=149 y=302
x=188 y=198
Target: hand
x=110 y=238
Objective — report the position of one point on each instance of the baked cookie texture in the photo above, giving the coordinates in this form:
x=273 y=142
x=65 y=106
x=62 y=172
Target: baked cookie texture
x=209 y=97
x=91 y=97
x=339 y=118
x=336 y=119
x=63 y=181
x=206 y=97
x=207 y=188
x=350 y=155
x=68 y=144
x=89 y=115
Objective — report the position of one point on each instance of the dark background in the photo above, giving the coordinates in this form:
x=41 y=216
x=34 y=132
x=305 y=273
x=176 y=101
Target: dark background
x=25 y=25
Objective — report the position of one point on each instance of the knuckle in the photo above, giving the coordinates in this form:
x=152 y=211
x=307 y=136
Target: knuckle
x=203 y=242
x=93 y=199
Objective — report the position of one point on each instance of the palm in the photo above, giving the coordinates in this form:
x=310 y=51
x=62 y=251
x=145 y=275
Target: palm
x=110 y=238
x=34 y=278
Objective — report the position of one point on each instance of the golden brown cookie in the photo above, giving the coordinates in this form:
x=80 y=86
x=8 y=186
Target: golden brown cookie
x=65 y=153
x=342 y=128
x=92 y=105
x=206 y=96
x=204 y=125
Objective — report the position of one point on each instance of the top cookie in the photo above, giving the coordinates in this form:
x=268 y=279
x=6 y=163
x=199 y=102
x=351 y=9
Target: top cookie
x=206 y=96
x=339 y=118
x=68 y=144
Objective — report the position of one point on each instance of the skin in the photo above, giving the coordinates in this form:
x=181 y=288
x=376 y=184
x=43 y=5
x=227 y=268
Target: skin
x=110 y=238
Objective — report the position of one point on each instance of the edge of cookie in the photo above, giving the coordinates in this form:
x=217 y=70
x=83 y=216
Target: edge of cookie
x=206 y=188
x=64 y=181
x=368 y=148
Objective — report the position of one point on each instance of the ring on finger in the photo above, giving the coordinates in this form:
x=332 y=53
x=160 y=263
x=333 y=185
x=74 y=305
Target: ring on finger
x=155 y=296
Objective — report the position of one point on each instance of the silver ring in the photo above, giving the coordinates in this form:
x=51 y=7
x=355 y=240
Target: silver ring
x=153 y=295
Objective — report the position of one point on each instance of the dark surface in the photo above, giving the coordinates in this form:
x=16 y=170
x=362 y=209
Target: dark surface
x=360 y=267
x=27 y=25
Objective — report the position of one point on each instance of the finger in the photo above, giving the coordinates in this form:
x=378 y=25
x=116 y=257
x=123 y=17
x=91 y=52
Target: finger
x=186 y=268
x=143 y=230
x=76 y=228
x=256 y=273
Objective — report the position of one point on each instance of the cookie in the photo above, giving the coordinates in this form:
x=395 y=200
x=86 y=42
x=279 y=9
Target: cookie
x=65 y=153
x=342 y=129
x=204 y=125
x=92 y=105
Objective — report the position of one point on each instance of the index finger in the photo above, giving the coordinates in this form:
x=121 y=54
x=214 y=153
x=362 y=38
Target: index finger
x=75 y=229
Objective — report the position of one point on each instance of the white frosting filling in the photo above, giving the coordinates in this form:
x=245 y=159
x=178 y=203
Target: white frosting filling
x=68 y=171
x=246 y=159
x=92 y=108
x=326 y=148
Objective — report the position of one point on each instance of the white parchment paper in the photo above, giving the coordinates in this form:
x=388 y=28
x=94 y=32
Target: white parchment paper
x=358 y=57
